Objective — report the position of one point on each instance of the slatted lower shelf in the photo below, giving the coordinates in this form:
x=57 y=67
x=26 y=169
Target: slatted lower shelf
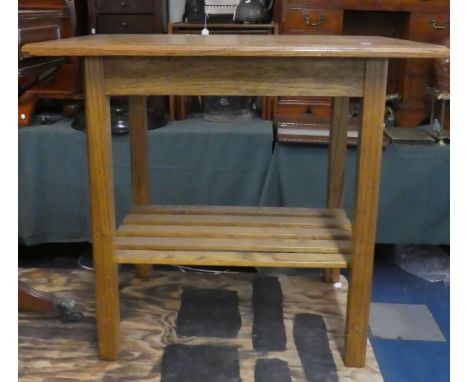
x=235 y=236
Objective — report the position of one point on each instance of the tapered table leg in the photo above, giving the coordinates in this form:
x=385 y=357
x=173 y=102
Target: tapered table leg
x=337 y=163
x=138 y=121
x=365 y=212
x=102 y=209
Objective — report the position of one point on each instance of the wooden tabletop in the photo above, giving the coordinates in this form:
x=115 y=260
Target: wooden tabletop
x=236 y=45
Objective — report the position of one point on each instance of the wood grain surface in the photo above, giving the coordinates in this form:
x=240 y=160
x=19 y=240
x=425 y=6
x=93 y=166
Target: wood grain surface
x=138 y=121
x=239 y=259
x=235 y=45
x=365 y=211
x=141 y=230
x=102 y=208
x=248 y=76
x=337 y=163
x=234 y=244
x=237 y=236
x=56 y=352
x=337 y=152
x=237 y=210
x=237 y=220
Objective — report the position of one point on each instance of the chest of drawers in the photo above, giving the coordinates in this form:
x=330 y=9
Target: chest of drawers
x=417 y=20
x=126 y=16
x=130 y=17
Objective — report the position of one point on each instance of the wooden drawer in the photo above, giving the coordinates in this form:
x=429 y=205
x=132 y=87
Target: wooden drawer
x=412 y=5
x=315 y=106
x=125 y=6
x=305 y=20
x=430 y=27
x=125 y=24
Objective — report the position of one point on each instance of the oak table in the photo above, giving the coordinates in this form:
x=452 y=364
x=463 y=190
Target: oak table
x=240 y=65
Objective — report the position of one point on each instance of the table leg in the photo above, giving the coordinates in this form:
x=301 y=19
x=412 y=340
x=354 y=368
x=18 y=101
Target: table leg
x=365 y=212
x=102 y=209
x=172 y=100
x=264 y=107
x=336 y=164
x=138 y=121
x=181 y=112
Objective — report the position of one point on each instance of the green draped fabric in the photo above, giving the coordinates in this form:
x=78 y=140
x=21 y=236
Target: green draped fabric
x=200 y=162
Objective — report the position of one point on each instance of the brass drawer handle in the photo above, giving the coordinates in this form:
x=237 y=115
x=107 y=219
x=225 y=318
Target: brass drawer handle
x=437 y=26
x=320 y=21
x=124 y=24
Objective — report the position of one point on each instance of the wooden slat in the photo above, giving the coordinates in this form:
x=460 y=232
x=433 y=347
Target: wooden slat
x=226 y=258
x=233 y=232
x=230 y=244
x=237 y=210
x=246 y=221
x=243 y=236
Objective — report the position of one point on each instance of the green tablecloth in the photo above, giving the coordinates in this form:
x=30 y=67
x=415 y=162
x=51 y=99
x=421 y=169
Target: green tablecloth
x=199 y=162
x=414 y=192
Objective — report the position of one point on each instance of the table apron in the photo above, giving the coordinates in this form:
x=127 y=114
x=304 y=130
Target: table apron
x=235 y=76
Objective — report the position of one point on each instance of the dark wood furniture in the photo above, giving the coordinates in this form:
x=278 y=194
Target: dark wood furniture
x=306 y=129
x=126 y=16
x=416 y=20
x=223 y=28
x=46 y=20
x=142 y=65
x=130 y=17
x=178 y=104
x=34 y=301
x=52 y=78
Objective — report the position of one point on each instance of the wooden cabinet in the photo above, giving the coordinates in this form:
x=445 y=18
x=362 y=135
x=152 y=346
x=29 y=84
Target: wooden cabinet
x=125 y=7
x=306 y=19
x=47 y=78
x=418 y=20
x=126 y=16
x=126 y=23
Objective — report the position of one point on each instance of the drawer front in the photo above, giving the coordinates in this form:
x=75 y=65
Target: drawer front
x=319 y=107
x=125 y=6
x=125 y=24
x=430 y=27
x=303 y=20
x=403 y=5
